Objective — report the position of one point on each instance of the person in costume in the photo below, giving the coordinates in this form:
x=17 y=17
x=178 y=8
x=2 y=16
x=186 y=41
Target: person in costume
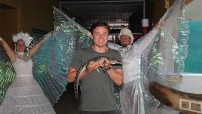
x=131 y=54
x=99 y=78
x=24 y=95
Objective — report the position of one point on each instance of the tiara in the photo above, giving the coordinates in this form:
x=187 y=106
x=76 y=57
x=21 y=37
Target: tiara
x=23 y=36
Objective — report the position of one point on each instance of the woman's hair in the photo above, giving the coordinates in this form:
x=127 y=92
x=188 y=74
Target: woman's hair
x=98 y=24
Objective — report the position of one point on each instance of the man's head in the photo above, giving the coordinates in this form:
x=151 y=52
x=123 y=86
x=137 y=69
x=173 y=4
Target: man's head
x=100 y=23
x=126 y=37
x=100 y=33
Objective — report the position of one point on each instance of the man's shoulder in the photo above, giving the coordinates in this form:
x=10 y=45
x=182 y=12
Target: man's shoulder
x=113 y=46
x=114 y=51
x=85 y=49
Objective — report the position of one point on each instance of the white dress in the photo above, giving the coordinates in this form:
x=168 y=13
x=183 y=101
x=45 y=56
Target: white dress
x=25 y=96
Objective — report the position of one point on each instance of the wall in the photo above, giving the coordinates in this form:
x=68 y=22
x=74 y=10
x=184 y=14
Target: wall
x=24 y=15
x=159 y=8
x=39 y=16
x=194 y=10
x=193 y=62
x=9 y=11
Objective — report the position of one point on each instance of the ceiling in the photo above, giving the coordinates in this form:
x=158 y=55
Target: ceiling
x=116 y=12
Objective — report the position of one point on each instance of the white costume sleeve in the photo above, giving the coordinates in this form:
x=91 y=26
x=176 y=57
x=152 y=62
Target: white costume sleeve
x=144 y=41
x=113 y=46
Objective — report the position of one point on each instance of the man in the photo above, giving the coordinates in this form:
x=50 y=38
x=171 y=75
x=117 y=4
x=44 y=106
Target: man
x=98 y=79
x=130 y=94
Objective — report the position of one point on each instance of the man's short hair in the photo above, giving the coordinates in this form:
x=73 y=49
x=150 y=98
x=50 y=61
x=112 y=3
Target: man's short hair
x=98 y=24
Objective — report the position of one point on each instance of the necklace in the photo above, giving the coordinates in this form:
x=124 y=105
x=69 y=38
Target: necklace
x=124 y=48
x=24 y=56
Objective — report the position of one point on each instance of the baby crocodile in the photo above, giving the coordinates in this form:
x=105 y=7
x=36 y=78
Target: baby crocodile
x=84 y=67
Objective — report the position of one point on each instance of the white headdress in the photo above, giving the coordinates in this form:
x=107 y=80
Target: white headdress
x=23 y=36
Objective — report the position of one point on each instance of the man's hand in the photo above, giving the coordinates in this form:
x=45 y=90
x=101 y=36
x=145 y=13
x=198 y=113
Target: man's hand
x=103 y=62
x=92 y=66
x=159 y=24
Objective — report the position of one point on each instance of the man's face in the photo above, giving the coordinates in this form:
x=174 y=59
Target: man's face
x=125 y=40
x=100 y=36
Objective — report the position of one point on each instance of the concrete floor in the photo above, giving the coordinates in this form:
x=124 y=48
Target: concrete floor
x=67 y=103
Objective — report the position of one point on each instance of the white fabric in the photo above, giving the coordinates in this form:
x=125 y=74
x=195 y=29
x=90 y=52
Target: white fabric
x=25 y=96
x=131 y=56
x=0 y=38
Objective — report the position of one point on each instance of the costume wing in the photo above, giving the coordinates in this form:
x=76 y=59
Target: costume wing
x=7 y=73
x=54 y=56
x=164 y=57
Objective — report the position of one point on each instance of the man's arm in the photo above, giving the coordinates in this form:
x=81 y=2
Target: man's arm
x=71 y=74
x=38 y=44
x=141 y=44
x=90 y=68
x=115 y=75
x=11 y=54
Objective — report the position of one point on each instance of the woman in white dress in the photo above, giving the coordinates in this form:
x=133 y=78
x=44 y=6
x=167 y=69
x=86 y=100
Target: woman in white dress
x=24 y=95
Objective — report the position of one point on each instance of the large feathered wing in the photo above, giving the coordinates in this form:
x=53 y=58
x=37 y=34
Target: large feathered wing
x=165 y=56
x=7 y=73
x=54 y=56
